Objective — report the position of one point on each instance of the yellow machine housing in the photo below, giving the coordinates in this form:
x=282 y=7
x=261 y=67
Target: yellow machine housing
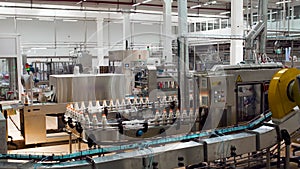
x=284 y=93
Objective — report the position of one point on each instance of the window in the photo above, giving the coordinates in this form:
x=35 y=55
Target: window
x=210 y=25
x=297 y=12
x=198 y=26
x=224 y=23
x=203 y=26
x=216 y=24
x=192 y=27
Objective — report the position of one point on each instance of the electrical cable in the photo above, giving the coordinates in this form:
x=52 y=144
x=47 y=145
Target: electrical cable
x=14 y=123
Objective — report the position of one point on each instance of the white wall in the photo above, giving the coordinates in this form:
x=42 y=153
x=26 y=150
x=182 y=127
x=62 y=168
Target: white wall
x=36 y=35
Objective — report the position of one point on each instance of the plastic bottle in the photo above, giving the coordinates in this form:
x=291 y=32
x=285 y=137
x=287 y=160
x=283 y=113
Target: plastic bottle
x=97 y=105
x=68 y=111
x=157 y=117
x=111 y=103
x=76 y=106
x=123 y=104
x=164 y=117
x=141 y=101
x=128 y=102
x=164 y=100
x=147 y=102
x=135 y=102
x=95 y=121
x=170 y=99
x=87 y=121
x=104 y=121
x=82 y=106
x=175 y=98
x=81 y=117
x=184 y=115
x=90 y=106
x=104 y=104
x=177 y=113
x=117 y=103
x=71 y=105
x=171 y=116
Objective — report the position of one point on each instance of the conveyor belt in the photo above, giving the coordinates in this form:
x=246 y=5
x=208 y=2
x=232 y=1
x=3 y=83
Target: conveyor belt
x=145 y=143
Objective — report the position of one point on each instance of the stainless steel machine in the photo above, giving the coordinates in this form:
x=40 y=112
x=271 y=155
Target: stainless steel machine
x=66 y=89
x=220 y=147
x=235 y=93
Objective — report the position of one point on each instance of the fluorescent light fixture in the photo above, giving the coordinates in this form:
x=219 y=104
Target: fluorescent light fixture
x=146 y=23
x=24 y=19
x=196 y=6
x=137 y=4
x=38 y=48
x=70 y=20
x=45 y=19
x=224 y=13
x=146 y=1
x=281 y=2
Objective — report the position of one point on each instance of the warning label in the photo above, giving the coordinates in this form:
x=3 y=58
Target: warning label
x=239 y=79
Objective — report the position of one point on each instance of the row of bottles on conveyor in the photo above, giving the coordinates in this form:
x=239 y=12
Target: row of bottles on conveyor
x=169 y=117
x=87 y=114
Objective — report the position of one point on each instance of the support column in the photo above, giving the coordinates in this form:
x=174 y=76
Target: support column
x=126 y=31
x=167 y=30
x=3 y=131
x=100 y=41
x=264 y=17
x=237 y=29
x=183 y=58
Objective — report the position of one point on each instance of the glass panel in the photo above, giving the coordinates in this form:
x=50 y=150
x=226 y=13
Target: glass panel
x=198 y=26
x=203 y=26
x=224 y=23
x=210 y=25
x=249 y=102
x=8 y=77
x=192 y=28
x=216 y=24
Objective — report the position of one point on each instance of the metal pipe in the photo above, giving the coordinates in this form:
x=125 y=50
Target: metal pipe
x=289 y=16
x=287 y=157
x=79 y=141
x=251 y=13
x=70 y=141
x=268 y=165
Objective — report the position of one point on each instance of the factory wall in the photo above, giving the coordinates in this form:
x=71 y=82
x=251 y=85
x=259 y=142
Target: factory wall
x=59 y=37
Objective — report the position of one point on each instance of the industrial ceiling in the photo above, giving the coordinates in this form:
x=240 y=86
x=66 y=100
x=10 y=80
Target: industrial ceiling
x=195 y=6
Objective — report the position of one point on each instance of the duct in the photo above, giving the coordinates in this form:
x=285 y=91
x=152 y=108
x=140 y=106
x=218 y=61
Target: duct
x=264 y=17
x=252 y=35
x=259 y=30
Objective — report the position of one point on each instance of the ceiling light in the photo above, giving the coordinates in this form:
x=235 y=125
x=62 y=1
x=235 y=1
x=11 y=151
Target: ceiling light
x=146 y=1
x=24 y=19
x=45 y=19
x=281 y=2
x=196 y=6
x=70 y=20
x=224 y=13
x=38 y=48
x=137 y=4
